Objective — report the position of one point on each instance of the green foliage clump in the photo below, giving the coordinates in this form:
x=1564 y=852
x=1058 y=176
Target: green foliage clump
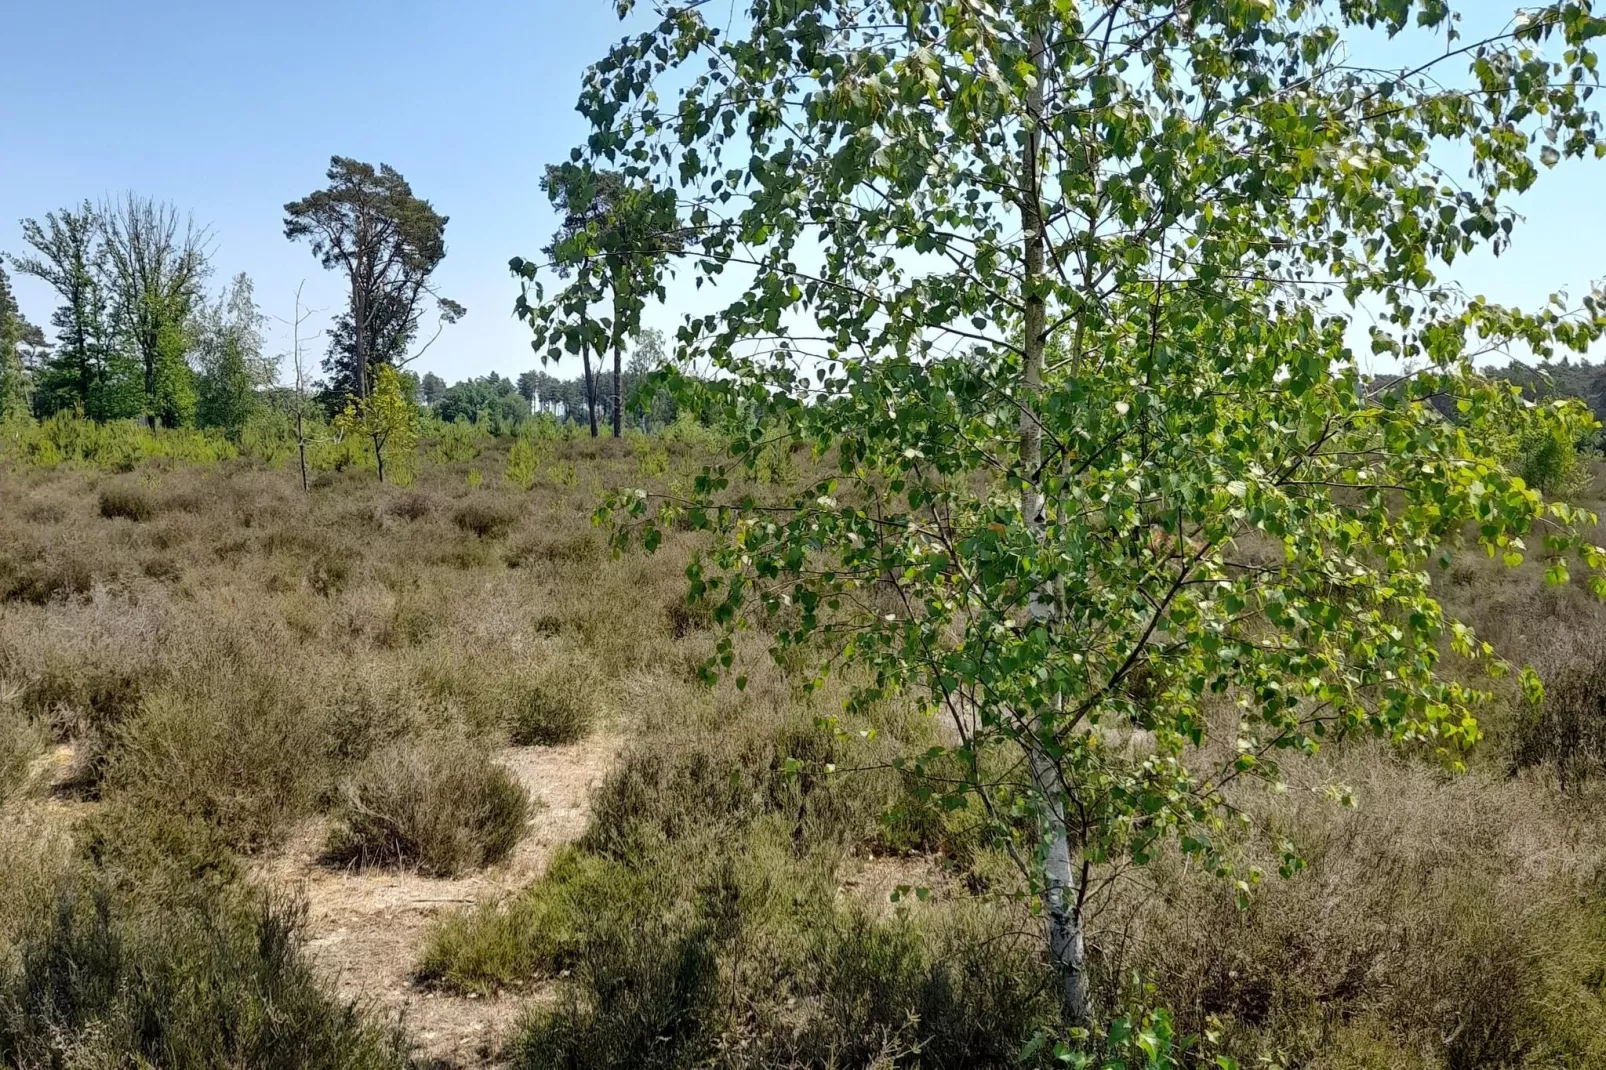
x=533 y=935
x=111 y=446
x=439 y=804
x=386 y=422
x=1549 y=460
x=459 y=441
x=523 y=463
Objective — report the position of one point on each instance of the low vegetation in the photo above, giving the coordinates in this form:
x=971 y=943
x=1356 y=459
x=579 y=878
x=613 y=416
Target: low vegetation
x=438 y=805
x=752 y=888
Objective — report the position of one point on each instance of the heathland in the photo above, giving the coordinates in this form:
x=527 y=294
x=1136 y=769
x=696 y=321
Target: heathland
x=367 y=774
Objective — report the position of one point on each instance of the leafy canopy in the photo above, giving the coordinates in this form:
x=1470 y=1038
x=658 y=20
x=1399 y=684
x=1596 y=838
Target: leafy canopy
x=1062 y=295
x=368 y=224
x=612 y=245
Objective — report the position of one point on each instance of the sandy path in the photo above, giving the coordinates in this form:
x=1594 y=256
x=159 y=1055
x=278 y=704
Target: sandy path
x=366 y=927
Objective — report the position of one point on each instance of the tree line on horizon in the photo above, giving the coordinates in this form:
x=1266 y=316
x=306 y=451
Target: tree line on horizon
x=138 y=335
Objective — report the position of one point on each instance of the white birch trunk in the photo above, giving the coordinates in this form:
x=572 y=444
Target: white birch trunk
x=1062 y=916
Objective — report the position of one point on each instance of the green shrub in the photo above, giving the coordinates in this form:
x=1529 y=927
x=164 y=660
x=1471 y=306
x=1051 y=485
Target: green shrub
x=438 y=804
x=126 y=502
x=535 y=934
x=522 y=463
x=1551 y=462
x=743 y=945
x=459 y=441
x=650 y=987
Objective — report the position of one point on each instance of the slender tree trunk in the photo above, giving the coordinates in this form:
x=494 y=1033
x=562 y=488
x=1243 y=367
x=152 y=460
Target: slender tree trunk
x=379 y=456
x=150 y=373
x=618 y=387
x=301 y=443
x=359 y=335
x=591 y=390
x=1062 y=916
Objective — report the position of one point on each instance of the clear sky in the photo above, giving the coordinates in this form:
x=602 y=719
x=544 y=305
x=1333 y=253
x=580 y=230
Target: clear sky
x=230 y=109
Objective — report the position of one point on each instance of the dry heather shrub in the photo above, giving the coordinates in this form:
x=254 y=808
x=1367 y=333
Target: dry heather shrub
x=438 y=804
x=556 y=704
x=44 y=577
x=83 y=668
x=161 y=568
x=415 y=617
x=46 y=510
x=329 y=574
x=411 y=505
x=21 y=740
x=126 y=501
x=555 y=549
x=1568 y=731
x=370 y=707
x=110 y=979
x=484 y=519
x=240 y=750
x=34 y=854
x=1450 y=920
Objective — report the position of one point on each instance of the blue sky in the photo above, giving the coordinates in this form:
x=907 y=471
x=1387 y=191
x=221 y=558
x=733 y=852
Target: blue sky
x=232 y=109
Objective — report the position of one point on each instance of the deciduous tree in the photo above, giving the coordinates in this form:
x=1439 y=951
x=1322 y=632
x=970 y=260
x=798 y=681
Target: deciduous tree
x=155 y=267
x=614 y=242
x=1062 y=291
x=14 y=329
x=86 y=370
x=231 y=368
x=386 y=418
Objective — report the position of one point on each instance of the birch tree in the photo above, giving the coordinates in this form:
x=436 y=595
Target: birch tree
x=612 y=245
x=1062 y=294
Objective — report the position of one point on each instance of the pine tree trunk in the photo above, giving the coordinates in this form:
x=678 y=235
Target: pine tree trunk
x=359 y=332
x=1062 y=916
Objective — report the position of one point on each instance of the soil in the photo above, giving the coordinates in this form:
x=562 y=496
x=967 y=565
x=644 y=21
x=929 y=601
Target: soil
x=368 y=926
